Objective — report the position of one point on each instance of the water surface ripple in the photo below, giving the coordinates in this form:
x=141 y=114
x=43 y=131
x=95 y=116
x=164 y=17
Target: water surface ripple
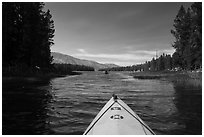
x=67 y=105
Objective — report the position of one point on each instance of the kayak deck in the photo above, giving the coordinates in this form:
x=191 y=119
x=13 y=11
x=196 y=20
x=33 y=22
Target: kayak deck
x=117 y=118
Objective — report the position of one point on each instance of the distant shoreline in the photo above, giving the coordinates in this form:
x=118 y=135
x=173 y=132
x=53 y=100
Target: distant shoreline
x=38 y=76
x=163 y=74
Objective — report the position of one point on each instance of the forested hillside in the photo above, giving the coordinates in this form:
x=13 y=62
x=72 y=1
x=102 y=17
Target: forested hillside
x=59 y=58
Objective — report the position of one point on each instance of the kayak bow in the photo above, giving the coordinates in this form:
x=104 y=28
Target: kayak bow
x=117 y=118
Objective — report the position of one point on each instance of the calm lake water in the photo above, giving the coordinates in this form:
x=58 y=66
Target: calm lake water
x=67 y=105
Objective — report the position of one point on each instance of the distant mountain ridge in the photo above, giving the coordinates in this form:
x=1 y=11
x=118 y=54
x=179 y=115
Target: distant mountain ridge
x=66 y=59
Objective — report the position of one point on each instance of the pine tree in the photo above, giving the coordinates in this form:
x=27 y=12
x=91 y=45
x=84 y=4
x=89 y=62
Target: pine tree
x=179 y=26
x=47 y=35
x=153 y=65
x=31 y=25
x=167 y=62
x=196 y=37
x=186 y=34
x=28 y=33
x=11 y=33
x=161 y=63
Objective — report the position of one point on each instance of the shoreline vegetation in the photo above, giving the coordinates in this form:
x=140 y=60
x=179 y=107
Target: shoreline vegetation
x=56 y=70
x=189 y=78
x=36 y=76
x=165 y=74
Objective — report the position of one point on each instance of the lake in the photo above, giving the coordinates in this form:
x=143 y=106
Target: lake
x=67 y=105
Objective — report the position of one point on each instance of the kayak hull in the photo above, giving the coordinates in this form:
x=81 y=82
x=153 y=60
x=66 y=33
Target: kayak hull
x=117 y=118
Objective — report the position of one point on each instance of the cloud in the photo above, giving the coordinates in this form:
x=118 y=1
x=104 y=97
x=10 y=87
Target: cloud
x=168 y=51
x=81 y=50
x=143 y=52
x=153 y=52
x=112 y=56
x=124 y=59
x=120 y=59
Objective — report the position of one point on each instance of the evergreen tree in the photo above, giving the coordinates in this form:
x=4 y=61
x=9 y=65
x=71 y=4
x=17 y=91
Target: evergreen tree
x=186 y=34
x=153 y=65
x=196 y=37
x=46 y=34
x=168 y=62
x=161 y=63
x=11 y=33
x=188 y=37
x=179 y=26
x=28 y=33
x=146 y=66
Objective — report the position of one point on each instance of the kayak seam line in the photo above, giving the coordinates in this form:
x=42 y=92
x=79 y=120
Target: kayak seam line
x=144 y=130
x=99 y=118
x=137 y=119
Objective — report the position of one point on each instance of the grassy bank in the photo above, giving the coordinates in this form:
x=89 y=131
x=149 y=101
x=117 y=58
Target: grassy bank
x=166 y=74
x=183 y=77
x=152 y=75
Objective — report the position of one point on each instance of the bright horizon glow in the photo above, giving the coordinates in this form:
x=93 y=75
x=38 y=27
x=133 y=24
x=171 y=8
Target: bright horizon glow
x=124 y=59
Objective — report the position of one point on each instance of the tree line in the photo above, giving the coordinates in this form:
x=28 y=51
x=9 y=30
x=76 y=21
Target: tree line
x=188 y=37
x=164 y=62
x=68 y=68
x=27 y=34
x=188 y=44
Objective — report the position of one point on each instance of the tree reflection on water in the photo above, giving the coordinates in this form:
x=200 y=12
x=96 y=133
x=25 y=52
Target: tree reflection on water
x=189 y=104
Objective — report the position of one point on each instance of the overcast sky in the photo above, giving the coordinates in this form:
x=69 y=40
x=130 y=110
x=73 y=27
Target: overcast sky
x=120 y=33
